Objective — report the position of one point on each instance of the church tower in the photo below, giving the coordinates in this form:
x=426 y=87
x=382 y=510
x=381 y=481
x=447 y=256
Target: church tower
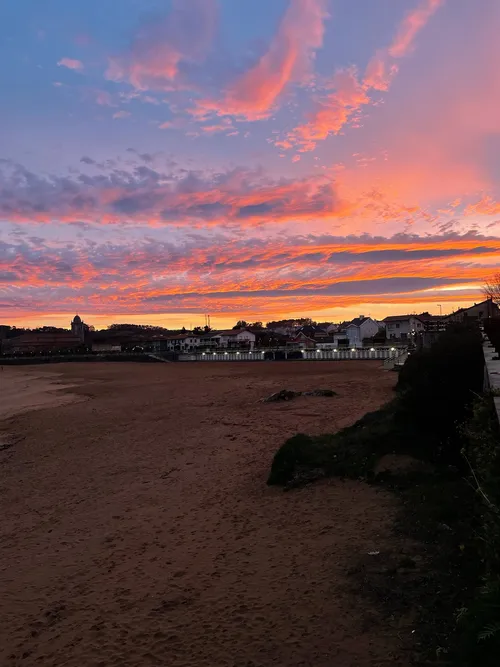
x=78 y=328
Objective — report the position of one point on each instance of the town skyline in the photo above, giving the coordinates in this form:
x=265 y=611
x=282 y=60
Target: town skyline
x=198 y=321
x=168 y=158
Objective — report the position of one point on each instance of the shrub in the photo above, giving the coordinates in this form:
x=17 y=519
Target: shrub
x=480 y=621
x=436 y=388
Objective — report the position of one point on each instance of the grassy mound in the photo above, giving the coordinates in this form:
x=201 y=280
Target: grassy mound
x=352 y=452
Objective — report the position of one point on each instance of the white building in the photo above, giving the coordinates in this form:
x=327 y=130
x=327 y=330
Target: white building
x=360 y=328
x=402 y=327
x=183 y=343
x=235 y=338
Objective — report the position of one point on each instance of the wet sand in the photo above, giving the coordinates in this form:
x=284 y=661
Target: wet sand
x=137 y=528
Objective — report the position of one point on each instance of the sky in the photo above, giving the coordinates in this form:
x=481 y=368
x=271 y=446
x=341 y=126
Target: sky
x=250 y=159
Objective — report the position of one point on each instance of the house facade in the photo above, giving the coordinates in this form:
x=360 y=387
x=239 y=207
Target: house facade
x=301 y=340
x=182 y=343
x=479 y=311
x=402 y=327
x=235 y=338
x=360 y=328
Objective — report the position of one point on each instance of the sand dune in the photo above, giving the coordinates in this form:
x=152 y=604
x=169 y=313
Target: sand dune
x=137 y=528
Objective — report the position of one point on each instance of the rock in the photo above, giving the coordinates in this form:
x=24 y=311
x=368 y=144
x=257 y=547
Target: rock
x=283 y=395
x=287 y=395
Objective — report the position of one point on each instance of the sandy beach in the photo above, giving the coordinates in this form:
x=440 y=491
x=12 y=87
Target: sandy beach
x=137 y=527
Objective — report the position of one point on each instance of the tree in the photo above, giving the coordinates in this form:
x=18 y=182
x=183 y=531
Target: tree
x=257 y=325
x=240 y=324
x=491 y=288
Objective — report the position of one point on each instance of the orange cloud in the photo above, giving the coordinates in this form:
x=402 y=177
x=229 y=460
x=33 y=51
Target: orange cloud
x=334 y=110
x=254 y=95
x=332 y=113
x=485 y=206
x=70 y=63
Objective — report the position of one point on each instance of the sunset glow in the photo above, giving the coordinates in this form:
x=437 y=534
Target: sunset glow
x=253 y=160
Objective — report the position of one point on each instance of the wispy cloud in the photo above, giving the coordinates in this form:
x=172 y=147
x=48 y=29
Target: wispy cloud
x=71 y=63
x=350 y=94
x=382 y=68
x=332 y=113
x=121 y=114
x=161 y=46
x=411 y=26
x=254 y=95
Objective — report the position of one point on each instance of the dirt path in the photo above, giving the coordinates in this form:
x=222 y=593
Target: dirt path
x=137 y=528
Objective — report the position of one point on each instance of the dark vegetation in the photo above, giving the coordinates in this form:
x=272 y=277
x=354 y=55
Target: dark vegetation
x=450 y=502
x=492 y=329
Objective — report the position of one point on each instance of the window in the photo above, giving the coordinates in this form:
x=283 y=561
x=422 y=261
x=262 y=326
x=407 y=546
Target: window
x=397 y=325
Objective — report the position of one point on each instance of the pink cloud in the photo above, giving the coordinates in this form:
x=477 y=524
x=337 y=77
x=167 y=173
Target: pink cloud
x=337 y=109
x=103 y=98
x=254 y=95
x=331 y=114
x=380 y=70
x=411 y=25
x=121 y=114
x=71 y=63
x=159 y=48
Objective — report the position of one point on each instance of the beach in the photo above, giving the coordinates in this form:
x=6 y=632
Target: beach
x=137 y=527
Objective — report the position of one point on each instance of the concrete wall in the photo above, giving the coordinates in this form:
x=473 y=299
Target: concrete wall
x=492 y=373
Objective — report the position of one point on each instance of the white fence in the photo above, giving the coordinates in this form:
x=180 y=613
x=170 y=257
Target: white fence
x=367 y=353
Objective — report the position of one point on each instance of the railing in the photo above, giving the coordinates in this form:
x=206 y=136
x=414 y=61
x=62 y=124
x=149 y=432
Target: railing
x=353 y=353
x=397 y=360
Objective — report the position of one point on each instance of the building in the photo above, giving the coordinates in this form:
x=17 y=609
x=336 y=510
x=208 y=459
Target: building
x=302 y=341
x=402 y=327
x=78 y=328
x=50 y=342
x=234 y=338
x=479 y=312
x=187 y=342
x=360 y=328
